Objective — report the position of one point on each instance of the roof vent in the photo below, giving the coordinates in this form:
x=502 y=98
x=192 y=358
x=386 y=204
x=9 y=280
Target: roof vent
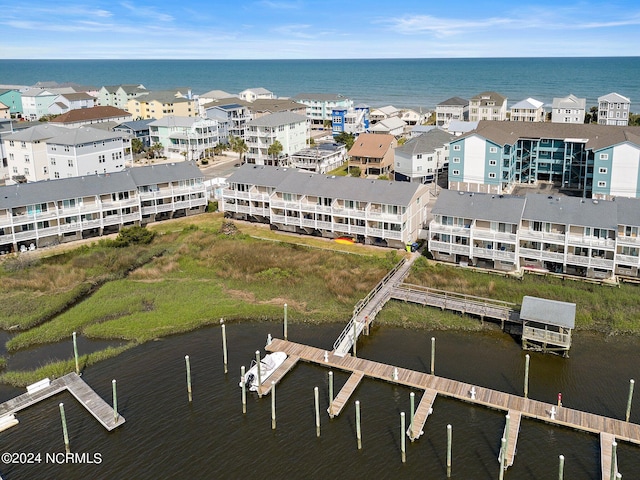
x=595 y=202
x=550 y=197
x=460 y=193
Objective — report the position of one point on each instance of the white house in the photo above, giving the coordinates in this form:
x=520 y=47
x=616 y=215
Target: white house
x=85 y=151
x=184 y=138
x=290 y=129
x=36 y=103
x=613 y=109
x=422 y=157
x=27 y=153
x=252 y=94
x=570 y=109
x=454 y=108
x=71 y=101
x=391 y=126
x=382 y=113
x=528 y=110
x=488 y=106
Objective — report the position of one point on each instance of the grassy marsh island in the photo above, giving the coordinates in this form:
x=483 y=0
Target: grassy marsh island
x=197 y=270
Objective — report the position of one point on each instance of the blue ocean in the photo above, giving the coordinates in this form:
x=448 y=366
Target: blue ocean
x=416 y=83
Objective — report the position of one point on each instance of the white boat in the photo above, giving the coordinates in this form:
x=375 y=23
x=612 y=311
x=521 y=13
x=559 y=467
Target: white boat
x=268 y=365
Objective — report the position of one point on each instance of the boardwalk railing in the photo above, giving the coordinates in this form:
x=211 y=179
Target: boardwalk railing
x=348 y=329
x=546 y=336
x=446 y=300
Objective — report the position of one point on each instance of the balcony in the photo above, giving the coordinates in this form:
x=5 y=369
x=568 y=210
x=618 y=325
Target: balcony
x=446 y=247
x=592 y=241
x=542 y=255
x=623 y=240
x=493 y=254
x=627 y=260
x=450 y=229
x=589 y=261
x=526 y=234
x=482 y=234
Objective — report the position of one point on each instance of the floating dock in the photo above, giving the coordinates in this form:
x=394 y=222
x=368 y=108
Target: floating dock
x=101 y=410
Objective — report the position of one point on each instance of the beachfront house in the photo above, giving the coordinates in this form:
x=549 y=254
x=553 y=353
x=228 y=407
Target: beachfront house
x=289 y=129
x=421 y=158
x=488 y=106
x=382 y=113
x=613 y=109
x=592 y=160
x=373 y=154
x=184 y=138
x=369 y=211
x=454 y=108
x=528 y=110
x=569 y=109
x=40 y=214
x=253 y=94
x=320 y=105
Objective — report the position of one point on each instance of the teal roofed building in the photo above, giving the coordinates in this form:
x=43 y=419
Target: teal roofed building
x=13 y=100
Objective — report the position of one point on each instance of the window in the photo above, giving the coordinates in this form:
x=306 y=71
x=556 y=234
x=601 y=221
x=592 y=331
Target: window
x=492 y=175
x=456 y=172
x=602 y=184
x=493 y=149
x=604 y=156
x=45 y=170
x=11 y=157
x=53 y=161
x=456 y=148
x=70 y=162
x=15 y=170
x=11 y=144
x=419 y=156
x=56 y=174
x=602 y=170
x=26 y=171
x=492 y=163
x=456 y=160
x=101 y=159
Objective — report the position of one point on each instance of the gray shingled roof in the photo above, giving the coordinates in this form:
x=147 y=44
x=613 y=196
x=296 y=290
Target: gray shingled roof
x=426 y=142
x=82 y=135
x=597 y=136
x=454 y=102
x=289 y=180
x=277 y=119
x=498 y=208
x=571 y=210
x=551 y=312
x=37 y=133
x=52 y=190
x=492 y=97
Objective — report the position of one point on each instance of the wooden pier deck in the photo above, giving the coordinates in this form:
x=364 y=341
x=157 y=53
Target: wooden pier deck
x=279 y=374
x=345 y=393
x=512 y=435
x=566 y=417
x=606 y=442
x=425 y=407
x=89 y=399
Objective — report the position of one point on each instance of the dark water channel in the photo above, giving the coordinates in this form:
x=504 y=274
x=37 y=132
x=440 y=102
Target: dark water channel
x=165 y=437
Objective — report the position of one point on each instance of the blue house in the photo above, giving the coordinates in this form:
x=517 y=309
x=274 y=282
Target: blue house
x=354 y=120
x=13 y=100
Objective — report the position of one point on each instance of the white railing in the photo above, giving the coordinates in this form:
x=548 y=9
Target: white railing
x=541 y=255
x=526 y=234
x=547 y=336
x=589 y=261
x=623 y=240
x=493 y=254
x=592 y=241
x=490 y=235
x=627 y=260
x=445 y=247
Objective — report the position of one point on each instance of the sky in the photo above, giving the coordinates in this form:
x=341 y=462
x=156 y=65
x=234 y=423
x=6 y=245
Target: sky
x=297 y=29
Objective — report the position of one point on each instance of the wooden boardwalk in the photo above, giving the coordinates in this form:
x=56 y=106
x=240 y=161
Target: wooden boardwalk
x=425 y=407
x=512 y=435
x=345 y=393
x=89 y=399
x=279 y=374
x=526 y=407
x=606 y=442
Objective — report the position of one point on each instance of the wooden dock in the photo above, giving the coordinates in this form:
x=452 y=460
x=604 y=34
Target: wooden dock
x=514 y=404
x=606 y=442
x=89 y=399
x=345 y=393
x=279 y=374
x=512 y=436
x=425 y=407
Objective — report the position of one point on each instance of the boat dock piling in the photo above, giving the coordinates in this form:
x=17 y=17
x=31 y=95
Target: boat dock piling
x=88 y=398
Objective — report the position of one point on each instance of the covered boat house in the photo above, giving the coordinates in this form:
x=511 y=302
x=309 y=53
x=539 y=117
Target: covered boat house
x=547 y=324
